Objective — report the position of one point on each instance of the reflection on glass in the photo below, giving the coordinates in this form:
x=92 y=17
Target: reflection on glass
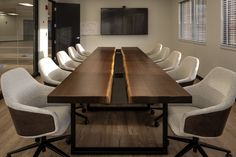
x=16 y=35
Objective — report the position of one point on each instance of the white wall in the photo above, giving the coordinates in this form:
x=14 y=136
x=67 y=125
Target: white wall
x=210 y=54
x=11 y=28
x=159 y=23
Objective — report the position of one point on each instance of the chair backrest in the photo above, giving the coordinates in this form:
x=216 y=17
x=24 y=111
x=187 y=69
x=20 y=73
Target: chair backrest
x=17 y=86
x=164 y=53
x=50 y=72
x=72 y=52
x=172 y=61
x=26 y=101
x=157 y=49
x=187 y=70
x=189 y=67
x=219 y=86
x=65 y=61
x=63 y=57
x=80 y=48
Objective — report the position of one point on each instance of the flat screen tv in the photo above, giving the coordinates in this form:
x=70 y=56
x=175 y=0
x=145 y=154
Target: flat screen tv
x=124 y=21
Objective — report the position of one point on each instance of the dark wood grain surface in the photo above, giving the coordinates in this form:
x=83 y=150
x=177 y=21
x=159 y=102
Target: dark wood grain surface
x=91 y=82
x=148 y=83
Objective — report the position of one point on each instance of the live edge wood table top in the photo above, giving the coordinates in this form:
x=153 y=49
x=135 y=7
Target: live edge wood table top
x=147 y=82
x=91 y=82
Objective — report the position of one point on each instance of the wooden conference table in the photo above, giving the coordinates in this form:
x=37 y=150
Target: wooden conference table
x=146 y=83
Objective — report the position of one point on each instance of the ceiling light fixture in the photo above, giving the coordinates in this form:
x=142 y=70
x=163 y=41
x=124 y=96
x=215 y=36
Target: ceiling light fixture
x=26 y=4
x=12 y=14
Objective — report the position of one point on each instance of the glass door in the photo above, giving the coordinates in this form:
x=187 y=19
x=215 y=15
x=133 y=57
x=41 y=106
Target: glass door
x=17 y=35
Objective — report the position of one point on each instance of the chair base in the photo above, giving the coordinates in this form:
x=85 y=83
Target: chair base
x=42 y=144
x=156 y=123
x=197 y=146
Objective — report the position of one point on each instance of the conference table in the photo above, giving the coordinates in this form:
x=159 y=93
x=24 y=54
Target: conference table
x=146 y=83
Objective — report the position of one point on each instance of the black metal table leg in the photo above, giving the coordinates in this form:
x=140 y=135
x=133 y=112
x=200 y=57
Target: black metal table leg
x=165 y=128
x=73 y=128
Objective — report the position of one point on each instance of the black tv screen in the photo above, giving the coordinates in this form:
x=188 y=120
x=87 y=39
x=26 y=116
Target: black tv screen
x=124 y=21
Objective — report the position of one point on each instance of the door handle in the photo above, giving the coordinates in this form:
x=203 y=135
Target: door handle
x=78 y=38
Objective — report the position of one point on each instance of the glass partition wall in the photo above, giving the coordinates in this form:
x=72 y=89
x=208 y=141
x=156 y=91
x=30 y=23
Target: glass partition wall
x=50 y=27
x=17 y=34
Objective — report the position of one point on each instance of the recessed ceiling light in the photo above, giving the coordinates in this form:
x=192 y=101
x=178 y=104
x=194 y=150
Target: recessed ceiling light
x=12 y=14
x=26 y=4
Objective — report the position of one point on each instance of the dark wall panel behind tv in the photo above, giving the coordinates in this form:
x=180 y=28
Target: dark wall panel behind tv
x=124 y=21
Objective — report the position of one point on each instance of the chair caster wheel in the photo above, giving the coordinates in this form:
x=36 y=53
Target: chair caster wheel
x=86 y=122
x=228 y=155
x=84 y=110
x=68 y=140
x=152 y=112
x=156 y=124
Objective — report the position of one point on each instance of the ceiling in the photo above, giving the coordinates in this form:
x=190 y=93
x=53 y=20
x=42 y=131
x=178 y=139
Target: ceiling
x=12 y=6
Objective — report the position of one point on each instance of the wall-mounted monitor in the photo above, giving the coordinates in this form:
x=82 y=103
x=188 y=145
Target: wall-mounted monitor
x=124 y=21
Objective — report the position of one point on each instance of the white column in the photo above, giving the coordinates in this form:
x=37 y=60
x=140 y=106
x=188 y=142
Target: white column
x=43 y=29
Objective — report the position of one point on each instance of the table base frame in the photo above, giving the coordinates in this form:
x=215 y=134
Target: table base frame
x=120 y=150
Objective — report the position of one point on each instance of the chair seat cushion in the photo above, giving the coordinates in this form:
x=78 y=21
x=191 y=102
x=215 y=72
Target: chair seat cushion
x=175 y=118
x=62 y=117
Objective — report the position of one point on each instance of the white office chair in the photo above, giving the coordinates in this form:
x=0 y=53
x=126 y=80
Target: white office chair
x=155 y=51
x=81 y=50
x=65 y=62
x=171 y=62
x=32 y=116
x=165 y=51
x=75 y=55
x=51 y=74
x=207 y=115
x=186 y=73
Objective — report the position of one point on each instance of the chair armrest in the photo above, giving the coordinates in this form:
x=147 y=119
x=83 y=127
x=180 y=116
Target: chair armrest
x=184 y=80
x=39 y=97
x=51 y=81
x=169 y=68
x=68 y=68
